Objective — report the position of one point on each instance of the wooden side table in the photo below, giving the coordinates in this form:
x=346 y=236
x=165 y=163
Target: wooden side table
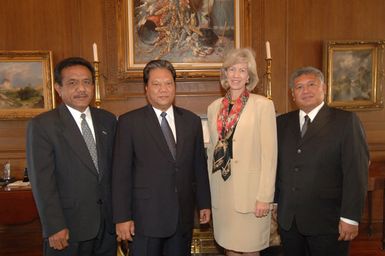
x=17 y=206
x=20 y=228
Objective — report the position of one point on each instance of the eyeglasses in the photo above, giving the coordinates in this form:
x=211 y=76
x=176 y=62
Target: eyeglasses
x=76 y=83
x=309 y=85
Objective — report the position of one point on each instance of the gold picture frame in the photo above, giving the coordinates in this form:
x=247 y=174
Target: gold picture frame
x=26 y=84
x=354 y=73
x=162 y=29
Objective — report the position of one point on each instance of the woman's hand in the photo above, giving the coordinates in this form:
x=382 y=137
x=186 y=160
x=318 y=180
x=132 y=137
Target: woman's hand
x=261 y=209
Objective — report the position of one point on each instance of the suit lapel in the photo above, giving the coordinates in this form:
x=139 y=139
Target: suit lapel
x=213 y=124
x=293 y=124
x=181 y=128
x=153 y=126
x=317 y=125
x=74 y=138
x=101 y=140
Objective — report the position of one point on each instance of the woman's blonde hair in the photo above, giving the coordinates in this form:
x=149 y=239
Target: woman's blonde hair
x=240 y=55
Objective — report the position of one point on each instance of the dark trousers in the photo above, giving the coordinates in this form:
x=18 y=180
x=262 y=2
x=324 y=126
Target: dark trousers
x=104 y=244
x=179 y=244
x=297 y=244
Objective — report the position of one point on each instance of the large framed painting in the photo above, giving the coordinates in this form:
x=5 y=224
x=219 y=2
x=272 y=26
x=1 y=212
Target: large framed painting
x=192 y=34
x=26 y=83
x=354 y=74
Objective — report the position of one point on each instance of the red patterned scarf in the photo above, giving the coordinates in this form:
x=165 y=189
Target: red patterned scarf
x=226 y=122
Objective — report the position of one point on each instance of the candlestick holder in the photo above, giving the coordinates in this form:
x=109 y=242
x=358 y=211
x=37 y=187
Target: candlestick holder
x=97 y=87
x=268 y=78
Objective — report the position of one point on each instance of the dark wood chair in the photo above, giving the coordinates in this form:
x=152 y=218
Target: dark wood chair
x=376 y=181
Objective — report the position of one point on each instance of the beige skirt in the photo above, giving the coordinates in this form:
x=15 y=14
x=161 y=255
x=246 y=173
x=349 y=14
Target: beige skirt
x=241 y=232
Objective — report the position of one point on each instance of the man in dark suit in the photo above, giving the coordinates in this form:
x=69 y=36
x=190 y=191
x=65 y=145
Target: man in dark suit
x=71 y=180
x=158 y=175
x=322 y=171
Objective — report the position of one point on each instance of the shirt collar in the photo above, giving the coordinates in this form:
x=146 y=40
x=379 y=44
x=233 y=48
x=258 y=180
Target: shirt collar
x=169 y=111
x=76 y=113
x=312 y=114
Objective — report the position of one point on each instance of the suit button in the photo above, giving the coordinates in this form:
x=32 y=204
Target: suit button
x=299 y=151
x=176 y=190
x=296 y=169
x=99 y=201
x=294 y=189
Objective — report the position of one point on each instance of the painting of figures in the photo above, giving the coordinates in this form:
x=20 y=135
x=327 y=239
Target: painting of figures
x=189 y=33
x=354 y=74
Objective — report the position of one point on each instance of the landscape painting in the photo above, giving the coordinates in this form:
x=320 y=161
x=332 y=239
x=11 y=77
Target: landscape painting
x=26 y=87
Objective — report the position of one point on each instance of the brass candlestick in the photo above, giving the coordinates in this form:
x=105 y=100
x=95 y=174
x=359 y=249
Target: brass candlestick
x=268 y=77
x=97 y=87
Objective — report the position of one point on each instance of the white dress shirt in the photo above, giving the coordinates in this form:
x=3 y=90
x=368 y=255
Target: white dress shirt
x=311 y=114
x=169 y=117
x=76 y=115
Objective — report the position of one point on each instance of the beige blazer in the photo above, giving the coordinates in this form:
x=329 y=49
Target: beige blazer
x=253 y=166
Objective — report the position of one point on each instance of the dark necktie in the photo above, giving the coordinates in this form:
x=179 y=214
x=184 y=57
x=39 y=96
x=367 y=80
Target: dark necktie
x=89 y=139
x=168 y=134
x=305 y=126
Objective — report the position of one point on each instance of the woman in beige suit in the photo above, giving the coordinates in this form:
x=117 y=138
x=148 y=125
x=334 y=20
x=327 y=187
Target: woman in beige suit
x=242 y=157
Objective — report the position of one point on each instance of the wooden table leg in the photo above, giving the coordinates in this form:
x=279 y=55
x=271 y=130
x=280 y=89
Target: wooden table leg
x=383 y=220
x=370 y=228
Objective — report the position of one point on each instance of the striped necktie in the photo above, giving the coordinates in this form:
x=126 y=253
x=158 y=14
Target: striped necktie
x=89 y=139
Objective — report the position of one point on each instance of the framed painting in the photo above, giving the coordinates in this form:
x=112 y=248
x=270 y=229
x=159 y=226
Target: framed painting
x=26 y=83
x=355 y=74
x=192 y=34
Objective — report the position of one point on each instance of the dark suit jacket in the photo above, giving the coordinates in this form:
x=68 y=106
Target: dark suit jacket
x=149 y=186
x=66 y=186
x=322 y=176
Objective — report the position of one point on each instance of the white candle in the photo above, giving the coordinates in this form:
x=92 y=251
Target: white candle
x=268 y=53
x=95 y=50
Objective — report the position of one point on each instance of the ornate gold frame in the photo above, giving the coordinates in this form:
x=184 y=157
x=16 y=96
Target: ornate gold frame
x=126 y=47
x=354 y=72
x=25 y=59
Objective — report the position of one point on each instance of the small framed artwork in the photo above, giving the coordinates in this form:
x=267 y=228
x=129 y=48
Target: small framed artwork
x=26 y=84
x=193 y=35
x=354 y=73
